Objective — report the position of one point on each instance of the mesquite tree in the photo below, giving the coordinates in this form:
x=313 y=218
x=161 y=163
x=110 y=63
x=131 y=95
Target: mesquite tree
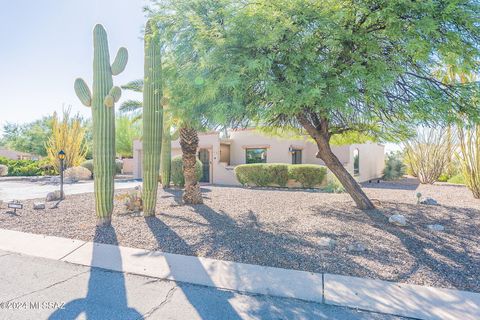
x=327 y=67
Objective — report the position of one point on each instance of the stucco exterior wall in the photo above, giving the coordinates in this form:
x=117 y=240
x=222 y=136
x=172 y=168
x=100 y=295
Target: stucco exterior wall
x=16 y=155
x=371 y=154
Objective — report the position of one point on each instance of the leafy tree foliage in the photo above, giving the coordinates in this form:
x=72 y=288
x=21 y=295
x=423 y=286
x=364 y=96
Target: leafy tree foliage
x=126 y=130
x=28 y=137
x=324 y=67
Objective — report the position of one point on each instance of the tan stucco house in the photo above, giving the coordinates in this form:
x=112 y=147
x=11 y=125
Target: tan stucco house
x=17 y=155
x=220 y=155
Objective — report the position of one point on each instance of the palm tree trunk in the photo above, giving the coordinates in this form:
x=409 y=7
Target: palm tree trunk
x=189 y=144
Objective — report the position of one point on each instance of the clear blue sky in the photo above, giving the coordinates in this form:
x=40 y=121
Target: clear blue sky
x=46 y=44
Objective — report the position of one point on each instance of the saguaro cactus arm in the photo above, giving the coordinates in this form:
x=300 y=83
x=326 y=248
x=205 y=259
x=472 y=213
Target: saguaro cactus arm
x=113 y=96
x=83 y=92
x=120 y=61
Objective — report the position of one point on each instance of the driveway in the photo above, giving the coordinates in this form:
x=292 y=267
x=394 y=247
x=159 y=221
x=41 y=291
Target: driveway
x=23 y=190
x=37 y=288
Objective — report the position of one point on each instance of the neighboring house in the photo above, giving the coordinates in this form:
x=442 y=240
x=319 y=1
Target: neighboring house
x=220 y=155
x=17 y=155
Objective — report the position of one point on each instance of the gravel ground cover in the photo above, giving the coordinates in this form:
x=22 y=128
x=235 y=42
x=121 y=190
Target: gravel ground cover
x=292 y=229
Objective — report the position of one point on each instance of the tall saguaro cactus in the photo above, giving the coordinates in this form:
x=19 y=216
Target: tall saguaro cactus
x=102 y=101
x=166 y=162
x=152 y=117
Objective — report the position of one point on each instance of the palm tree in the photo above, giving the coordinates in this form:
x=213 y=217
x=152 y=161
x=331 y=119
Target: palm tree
x=188 y=142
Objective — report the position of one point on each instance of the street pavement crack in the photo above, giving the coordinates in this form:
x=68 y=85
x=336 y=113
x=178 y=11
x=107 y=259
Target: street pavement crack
x=167 y=298
x=49 y=286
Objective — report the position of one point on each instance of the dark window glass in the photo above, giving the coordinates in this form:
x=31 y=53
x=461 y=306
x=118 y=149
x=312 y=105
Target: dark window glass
x=297 y=156
x=356 y=162
x=257 y=155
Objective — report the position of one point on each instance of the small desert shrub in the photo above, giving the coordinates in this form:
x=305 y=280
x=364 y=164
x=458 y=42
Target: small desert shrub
x=262 y=174
x=89 y=165
x=176 y=174
x=78 y=173
x=429 y=153
x=3 y=170
x=118 y=166
x=469 y=157
x=457 y=179
x=308 y=175
x=394 y=167
x=333 y=184
x=132 y=200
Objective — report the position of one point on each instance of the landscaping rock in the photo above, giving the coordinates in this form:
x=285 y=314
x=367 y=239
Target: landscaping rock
x=429 y=201
x=53 y=196
x=38 y=205
x=436 y=227
x=327 y=242
x=357 y=247
x=398 y=220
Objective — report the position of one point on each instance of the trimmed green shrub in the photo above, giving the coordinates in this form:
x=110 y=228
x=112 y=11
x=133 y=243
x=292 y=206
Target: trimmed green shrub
x=333 y=184
x=176 y=173
x=262 y=174
x=89 y=165
x=24 y=167
x=457 y=179
x=394 y=166
x=308 y=175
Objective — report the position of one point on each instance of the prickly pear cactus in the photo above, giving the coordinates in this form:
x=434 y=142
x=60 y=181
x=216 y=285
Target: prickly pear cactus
x=102 y=101
x=152 y=117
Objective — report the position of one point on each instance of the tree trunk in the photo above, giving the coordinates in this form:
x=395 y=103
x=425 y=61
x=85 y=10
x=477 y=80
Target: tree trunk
x=322 y=138
x=189 y=144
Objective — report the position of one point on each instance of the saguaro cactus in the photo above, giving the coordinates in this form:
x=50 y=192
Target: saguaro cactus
x=152 y=117
x=103 y=112
x=166 y=162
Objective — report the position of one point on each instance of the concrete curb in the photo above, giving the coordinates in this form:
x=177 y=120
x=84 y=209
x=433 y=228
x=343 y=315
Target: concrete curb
x=372 y=295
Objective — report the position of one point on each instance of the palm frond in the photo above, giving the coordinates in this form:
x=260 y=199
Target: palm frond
x=135 y=85
x=130 y=106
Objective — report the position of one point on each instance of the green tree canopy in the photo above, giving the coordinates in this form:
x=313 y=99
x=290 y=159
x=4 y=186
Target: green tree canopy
x=29 y=137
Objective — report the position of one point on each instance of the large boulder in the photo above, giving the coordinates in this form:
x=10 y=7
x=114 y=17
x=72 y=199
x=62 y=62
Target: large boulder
x=398 y=220
x=78 y=173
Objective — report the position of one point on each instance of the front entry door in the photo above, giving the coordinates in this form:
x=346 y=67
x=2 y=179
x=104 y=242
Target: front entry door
x=204 y=157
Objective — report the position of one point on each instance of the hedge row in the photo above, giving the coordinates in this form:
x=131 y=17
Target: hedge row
x=27 y=167
x=278 y=174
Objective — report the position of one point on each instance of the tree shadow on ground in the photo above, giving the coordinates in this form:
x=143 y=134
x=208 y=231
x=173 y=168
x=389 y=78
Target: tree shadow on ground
x=245 y=239
x=106 y=296
x=448 y=257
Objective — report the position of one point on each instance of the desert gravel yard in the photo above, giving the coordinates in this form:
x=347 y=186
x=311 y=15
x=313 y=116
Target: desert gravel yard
x=293 y=229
